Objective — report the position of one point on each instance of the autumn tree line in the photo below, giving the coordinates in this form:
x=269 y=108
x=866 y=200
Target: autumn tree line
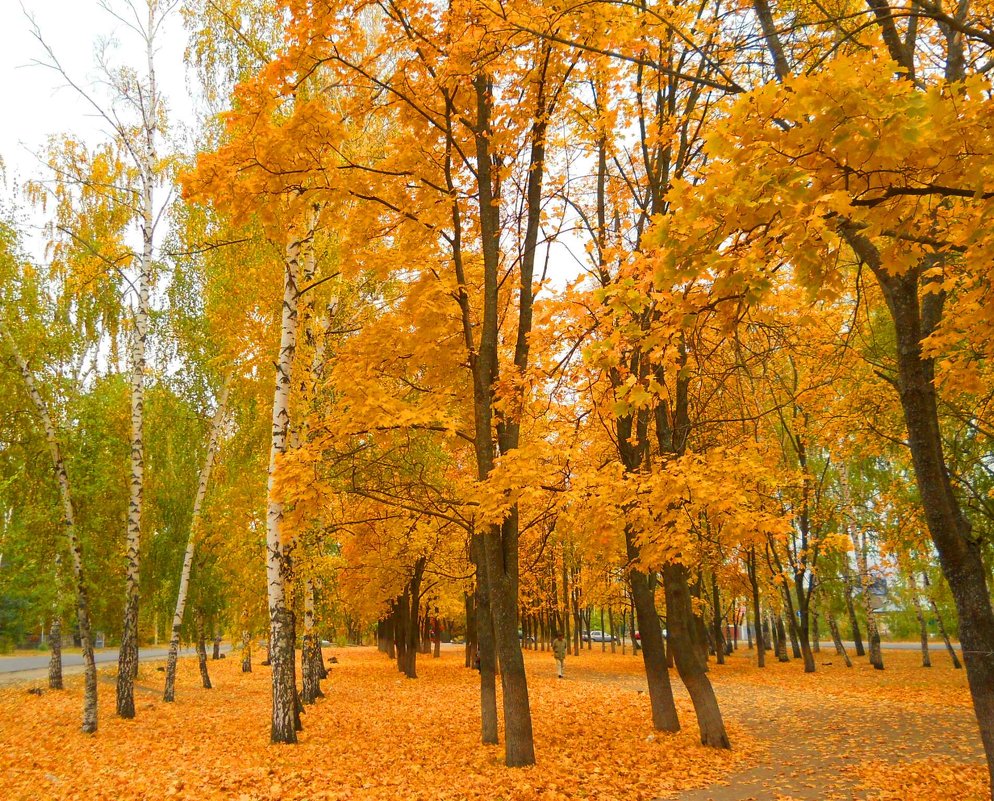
x=487 y=318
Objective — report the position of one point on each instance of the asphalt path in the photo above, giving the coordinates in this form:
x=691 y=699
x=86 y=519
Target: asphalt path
x=18 y=668
x=933 y=645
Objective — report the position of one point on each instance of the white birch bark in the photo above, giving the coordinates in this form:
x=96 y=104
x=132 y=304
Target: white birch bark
x=191 y=543
x=145 y=155
x=281 y=643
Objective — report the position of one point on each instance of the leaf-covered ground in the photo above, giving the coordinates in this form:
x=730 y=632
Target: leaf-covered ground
x=901 y=734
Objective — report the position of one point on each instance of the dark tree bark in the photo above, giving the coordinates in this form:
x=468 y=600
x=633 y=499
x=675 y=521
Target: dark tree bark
x=470 y=649
x=487 y=653
x=840 y=649
x=945 y=636
x=922 y=625
x=692 y=668
x=205 y=677
x=959 y=552
x=851 y=609
x=756 y=613
x=719 y=639
x=781 y=643
x=664 y=716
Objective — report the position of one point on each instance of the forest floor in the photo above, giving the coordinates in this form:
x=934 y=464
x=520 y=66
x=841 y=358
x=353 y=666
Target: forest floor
x=904 y=733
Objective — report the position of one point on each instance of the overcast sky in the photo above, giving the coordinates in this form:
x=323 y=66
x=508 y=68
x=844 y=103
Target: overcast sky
x=35 y=102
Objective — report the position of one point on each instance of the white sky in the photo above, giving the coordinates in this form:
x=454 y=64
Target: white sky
x=34 y=101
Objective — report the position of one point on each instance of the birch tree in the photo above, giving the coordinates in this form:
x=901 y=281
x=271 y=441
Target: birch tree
x=134 y=113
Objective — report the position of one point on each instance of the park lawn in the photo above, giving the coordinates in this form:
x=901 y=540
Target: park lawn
x=377 y=735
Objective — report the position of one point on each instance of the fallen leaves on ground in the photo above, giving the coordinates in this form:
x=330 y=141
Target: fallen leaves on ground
x=901 y=732
x=375 y=735
x=925 y=779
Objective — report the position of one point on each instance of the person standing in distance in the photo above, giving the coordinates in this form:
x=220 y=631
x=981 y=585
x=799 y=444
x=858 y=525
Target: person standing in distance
x=559 y=652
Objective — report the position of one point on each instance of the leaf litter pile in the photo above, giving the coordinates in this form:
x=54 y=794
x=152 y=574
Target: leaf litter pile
x=905 y=733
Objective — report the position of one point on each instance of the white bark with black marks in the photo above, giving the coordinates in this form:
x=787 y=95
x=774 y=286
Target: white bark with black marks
x=191 y=543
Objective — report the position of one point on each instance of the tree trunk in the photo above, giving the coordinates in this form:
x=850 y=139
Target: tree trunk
x=436 y=636
x=127 y=664
x=191 y=542
x=470 y=604
x=246 y=651
x=851 y=609
x=756 y=613
x=959 y=550
x=781 y=643
x=664 y=715
x=217 y=646
x=945 y=636
x=202 y=656
x=920 y=615
x=840 y=649
x=69 y=523
x=872 y=632
x=310 y=676
x=487 y=651
x=498 y=550
x=55 y=659
x=689 y=663
x=278 y=565
x=719 y=640
x=795 y=640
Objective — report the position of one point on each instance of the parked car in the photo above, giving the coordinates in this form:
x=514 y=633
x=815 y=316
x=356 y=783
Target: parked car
x=599 y=636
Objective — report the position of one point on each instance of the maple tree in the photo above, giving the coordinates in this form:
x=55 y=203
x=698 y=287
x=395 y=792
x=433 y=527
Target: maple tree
x=509 y=321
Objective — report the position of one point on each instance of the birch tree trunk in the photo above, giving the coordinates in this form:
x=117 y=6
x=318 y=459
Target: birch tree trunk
x=311 y=689
x=69 y=523
x=278 y=568
x=55 y=659
x=191 y=543
x=127 y=666
x=872 y=632
x=246 y=651
x=55 y=633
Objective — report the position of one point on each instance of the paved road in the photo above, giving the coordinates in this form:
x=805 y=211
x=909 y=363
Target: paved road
x=933 y=646
x=14 y=668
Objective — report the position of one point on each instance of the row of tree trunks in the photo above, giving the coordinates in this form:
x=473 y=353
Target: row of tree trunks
x=402 y=634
